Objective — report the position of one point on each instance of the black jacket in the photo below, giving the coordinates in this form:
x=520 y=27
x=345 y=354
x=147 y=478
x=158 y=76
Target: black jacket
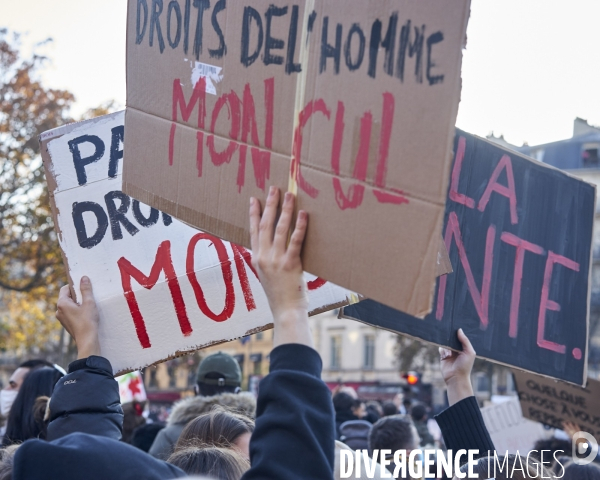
x=293 y=437
x=463 y=427
x=85 y=425
x=87 y=401
x=295 y=430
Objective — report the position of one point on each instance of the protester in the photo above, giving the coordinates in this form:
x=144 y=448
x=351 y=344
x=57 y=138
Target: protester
x=514 y=467
x=389 y=408
x=394 y=432
x=220 y=428
x=132 y=419
x=374 y=411
x=7 y=456
x=344 y=406
x=219 y=463
x=379 y=472
x=554 y=448
x=217 y=384
x=9 y=393
x=295 y=420
x=581 y=472
x=144 y=435
x=419 y=417
x=21 y=424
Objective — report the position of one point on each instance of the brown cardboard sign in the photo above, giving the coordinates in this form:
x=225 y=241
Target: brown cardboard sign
x=552 y=402
x=350 y=104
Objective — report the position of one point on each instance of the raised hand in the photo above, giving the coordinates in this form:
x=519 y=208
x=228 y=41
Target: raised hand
x=456 y=369
x=80 y=320
x=279 y=266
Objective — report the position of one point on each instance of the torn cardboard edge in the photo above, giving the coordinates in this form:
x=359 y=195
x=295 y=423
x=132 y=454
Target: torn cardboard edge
x=188 y=351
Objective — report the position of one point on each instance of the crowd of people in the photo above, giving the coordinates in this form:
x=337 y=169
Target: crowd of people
x=70 y=425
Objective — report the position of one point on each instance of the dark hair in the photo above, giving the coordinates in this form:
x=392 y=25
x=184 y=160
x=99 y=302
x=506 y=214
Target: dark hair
x=21 y=424
x=144 y=435
x=207 y=390
x=418 y=412
x=343 y=402
x=581 y=472
x=132 y=419
x=389 y=408
x=218 y=427
x=35 y=363
x=531 y=468
x=217 y=462
x=553 y=445
x=394 y=432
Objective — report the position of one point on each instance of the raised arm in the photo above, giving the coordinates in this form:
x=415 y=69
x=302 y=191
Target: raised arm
x=295 y=419
x=462 y=424
x=87 y=399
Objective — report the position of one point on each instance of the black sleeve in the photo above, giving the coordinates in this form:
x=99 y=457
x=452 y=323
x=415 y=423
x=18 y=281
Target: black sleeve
x=463 y=427
x=295 y=429
x=86 y=400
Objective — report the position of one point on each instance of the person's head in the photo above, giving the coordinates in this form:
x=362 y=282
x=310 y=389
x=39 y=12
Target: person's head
x=375 y=407
x=342 y=402
x=216 y=462
x=407 y=402
x=132 y=419
x=220 y=428
x=389 y=408
x=359 y=409
x=9 y=392
x=395 y=432
x=418 y=412
x=514 y=467
x=218 y=373
x=552 y=448
x=144 y=435
x=21 y=424
x=581 y=472
x=7 y=457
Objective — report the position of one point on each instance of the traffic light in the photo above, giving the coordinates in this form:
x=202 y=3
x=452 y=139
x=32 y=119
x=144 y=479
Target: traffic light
x=412 y=378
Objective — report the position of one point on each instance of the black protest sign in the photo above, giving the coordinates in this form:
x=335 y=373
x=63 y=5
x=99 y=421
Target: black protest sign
x=552 y=403
x=519 y=236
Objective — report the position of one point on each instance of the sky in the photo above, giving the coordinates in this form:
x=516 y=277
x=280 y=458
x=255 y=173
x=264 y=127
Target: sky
x=530 y=67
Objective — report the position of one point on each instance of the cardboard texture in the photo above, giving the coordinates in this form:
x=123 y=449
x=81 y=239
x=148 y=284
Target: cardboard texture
x=350 y=104
x=163 y=288
x=519 y=235
x=552 y=403
x=510 y=431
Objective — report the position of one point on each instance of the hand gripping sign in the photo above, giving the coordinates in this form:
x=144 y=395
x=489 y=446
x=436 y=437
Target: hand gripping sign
x=163 y=288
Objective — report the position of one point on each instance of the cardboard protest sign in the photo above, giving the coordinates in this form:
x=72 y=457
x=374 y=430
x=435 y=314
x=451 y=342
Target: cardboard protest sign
x=552 y=403
x=163 y=288
x=511 y=432
x=519 y=235
x=351 y=104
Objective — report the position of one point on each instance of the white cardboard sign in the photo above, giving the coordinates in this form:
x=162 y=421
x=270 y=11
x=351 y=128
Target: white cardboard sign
x=163 y=288
x=510 y=431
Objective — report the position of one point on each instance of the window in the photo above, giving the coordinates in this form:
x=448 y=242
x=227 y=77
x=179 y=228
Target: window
x=590 y=155
x=336 y=352
x=259 y=336
x=369 y=352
